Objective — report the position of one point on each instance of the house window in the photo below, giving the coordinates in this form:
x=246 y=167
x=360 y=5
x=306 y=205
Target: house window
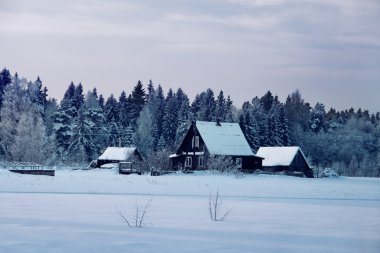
x=201 y=162
x=239 y=162
x=188 y=162
x=196 y=142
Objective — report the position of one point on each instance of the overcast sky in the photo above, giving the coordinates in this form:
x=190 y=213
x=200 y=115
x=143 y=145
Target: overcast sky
x=328 y=49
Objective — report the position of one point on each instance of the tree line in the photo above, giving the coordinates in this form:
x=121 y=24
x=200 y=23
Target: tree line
x=36 y=128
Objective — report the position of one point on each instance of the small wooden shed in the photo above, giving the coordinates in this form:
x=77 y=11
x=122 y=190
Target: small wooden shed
x=119 y=154
x=289 y=160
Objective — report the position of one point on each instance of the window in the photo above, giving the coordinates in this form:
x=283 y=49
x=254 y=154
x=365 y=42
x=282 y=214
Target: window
x=239 y=162
x=201 y=162
x=195 y=142
x=188 y=162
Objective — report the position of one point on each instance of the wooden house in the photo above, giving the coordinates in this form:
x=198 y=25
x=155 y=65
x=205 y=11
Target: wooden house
x=205 y=139
x=119 y=154
x=288 y=160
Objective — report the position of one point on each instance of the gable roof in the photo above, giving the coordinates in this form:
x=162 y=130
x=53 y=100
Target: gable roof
x=278 y=156
x=225 y=139
x=117 y=153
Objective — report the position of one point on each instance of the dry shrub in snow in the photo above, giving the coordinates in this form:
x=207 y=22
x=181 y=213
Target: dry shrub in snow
x=215 y=208
x=140 y=212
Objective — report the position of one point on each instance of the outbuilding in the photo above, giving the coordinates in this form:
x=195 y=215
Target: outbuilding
x=289 y=160
x=119 y=154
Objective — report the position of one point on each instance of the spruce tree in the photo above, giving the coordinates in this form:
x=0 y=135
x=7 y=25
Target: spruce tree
x=5 y=79
x=283 y=127
x=170 y=117
x=78 y=97
x=68 y=100
x=220 y=111
x=229 y=106
x=267 y=101
x=82 y=148
x=138 y=101
x=183 y=116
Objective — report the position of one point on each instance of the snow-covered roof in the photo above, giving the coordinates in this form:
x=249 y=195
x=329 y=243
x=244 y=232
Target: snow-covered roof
x=226 y=139
x=117 y=154
x=277 y=156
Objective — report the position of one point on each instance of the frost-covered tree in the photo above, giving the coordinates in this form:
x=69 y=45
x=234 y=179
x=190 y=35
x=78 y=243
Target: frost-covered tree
x=144 y=139
x=51 y=108
x=38 y=95
x=129 y=137
x=15 y=103
x=30 y=138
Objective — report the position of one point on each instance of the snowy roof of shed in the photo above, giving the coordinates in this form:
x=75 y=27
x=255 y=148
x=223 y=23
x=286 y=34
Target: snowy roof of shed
x=278 y=156
x=117 y=154
x=226 y=139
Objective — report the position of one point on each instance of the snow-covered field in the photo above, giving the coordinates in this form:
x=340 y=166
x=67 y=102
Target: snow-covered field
x=77 y=211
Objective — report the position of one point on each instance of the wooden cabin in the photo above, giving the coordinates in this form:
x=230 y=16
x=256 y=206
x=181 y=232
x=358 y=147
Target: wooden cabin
x=205 y=139
x=119 y=154
x=288 y=160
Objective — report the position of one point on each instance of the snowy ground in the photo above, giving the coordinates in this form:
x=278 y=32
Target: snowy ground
x=76 y=211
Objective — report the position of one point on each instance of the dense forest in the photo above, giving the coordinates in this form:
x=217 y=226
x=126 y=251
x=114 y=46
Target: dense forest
x=36 y=128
